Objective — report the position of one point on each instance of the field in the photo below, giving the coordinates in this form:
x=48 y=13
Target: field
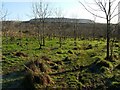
x=81 y=66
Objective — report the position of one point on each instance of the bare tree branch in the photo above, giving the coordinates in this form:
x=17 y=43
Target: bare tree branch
x=3 y=12
x=93 y=8
x=114 y=9
x=90 y=11
x=104 y=9
x=115 y=15
x=113 y=1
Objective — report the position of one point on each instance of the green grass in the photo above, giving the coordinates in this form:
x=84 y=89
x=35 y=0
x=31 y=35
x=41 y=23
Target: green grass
x=84 y=54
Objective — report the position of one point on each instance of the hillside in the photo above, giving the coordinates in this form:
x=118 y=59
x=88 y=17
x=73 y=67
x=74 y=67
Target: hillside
x=63 y=20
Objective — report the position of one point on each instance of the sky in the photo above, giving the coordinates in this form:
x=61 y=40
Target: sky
x=21 y=9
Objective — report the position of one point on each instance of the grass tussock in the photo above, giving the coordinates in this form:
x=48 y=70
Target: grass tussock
x=37 y=73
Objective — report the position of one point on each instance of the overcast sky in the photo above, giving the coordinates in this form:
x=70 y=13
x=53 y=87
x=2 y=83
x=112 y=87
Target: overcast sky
x=21 y=9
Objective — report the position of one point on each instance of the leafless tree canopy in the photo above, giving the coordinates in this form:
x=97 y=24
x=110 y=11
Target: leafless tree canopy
x=107 y=7
x=41 y=9
x=3 y=12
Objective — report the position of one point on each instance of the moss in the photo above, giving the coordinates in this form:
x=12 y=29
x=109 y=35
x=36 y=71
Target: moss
x=100 y=66
x=58 y=62
x=102 y=69
x=60 y=51
x=88 y=47
x=91 y=53
x=19 y=54
x=3 y=57
x=45 y=58
x=116 y=45
x=55 y=67
x=116 y=77
x=97 y=58
x=105 y=64
x=70 y=52
x=117 y=67
x=116 y=83
x=114 y=86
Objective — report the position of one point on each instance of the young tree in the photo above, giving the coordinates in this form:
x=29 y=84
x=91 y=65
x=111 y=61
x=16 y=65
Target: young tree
x=94 y=27
x=41 y=11
x=3 y=23
x=60 y=18
x=106 y=7
x=74 y=31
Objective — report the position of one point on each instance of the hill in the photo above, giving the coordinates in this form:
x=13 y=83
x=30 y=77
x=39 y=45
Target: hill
x=65 y=20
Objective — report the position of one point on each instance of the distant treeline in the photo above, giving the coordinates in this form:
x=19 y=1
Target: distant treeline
x=86 y=30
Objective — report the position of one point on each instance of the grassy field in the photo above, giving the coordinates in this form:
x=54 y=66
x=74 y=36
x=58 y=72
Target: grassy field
x=82 y=66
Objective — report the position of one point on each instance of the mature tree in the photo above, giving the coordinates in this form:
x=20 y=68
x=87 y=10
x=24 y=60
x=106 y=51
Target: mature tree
x=106 y=7
x=41 y=11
